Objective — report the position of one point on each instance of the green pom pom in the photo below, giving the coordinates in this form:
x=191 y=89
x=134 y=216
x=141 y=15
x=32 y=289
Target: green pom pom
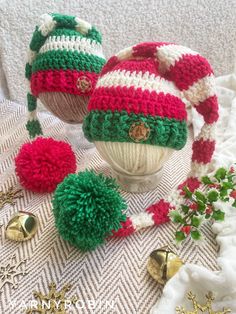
x=34 y=128
x=87 y=207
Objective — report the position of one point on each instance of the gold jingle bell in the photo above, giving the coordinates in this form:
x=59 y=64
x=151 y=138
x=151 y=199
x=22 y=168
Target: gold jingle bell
x=22 y=226
x=163 y=264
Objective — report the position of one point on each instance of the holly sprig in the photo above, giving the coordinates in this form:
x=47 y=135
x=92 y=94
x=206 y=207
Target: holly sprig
x=199 y=205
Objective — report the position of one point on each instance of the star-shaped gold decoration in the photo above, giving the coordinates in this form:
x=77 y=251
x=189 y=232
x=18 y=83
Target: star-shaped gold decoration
x=9 y=272
x=9 y=196
x=55 y=302
x=198 y=308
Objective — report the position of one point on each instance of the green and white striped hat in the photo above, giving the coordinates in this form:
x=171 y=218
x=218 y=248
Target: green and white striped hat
x=66 y=56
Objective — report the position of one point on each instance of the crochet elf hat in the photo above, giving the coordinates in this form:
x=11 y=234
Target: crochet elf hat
x=65 y=56
x=140 y=98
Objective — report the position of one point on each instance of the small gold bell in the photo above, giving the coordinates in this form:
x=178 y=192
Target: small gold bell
x=163 y=264
x=22 y=226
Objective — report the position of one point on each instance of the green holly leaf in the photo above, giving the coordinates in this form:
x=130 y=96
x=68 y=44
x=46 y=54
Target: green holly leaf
x=201 y=207
x=188 y=193
x=218 y=215
x=206 y=180
x=185 y=209
x=230 y=177
x=179 y=236
x=220 y=174
x=226 y=199
x=195 y=221
x=195 y=235
x=223 y=193
x=200 y=196
x=207 y=216
x=234 y=204
x=212 y=196
x=227 y=185
x=176 y=217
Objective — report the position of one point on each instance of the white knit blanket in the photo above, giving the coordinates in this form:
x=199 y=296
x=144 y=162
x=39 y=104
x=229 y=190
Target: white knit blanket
x=200 y=279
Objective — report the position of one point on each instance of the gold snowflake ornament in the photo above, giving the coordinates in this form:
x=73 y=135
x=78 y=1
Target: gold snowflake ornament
x=55 y=302
x=197 y=308
x=9 y=197
x=9 y=272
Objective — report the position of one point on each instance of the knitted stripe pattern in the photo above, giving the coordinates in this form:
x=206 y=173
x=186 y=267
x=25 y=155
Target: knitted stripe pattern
x=65 y=55
x=193 y=77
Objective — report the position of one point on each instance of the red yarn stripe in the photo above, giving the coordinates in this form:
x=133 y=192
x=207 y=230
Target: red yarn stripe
x=143 y=66
x=148 y=49
x=126 y=229
x=109 y=65
x=145 y=102
x=159 y=212
x=60 y=81
x=203 y=151
x=188 y=70
x=192 y=183
x=209 y=109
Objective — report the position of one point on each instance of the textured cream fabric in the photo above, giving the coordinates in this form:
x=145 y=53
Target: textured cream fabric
x=115 y=271
x=205 y=26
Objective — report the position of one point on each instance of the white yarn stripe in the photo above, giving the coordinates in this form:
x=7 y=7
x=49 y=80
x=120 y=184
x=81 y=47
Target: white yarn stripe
x=201 y=90
x=47 y=24
x=169 y=54
x=125 y=54
x=31 y=56
x=138 y=80
x=198 y=169
x=73 y=44
x=32 y=115
x=207 y=132
x=142 y=220
x=82 y=26
x=175 y=198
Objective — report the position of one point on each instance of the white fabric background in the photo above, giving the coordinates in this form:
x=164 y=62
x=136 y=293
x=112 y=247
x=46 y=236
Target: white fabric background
x=205 y=26
x=200 y=279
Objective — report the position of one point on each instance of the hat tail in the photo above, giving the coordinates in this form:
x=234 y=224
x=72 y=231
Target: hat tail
x=194 y=77
x=33 y=126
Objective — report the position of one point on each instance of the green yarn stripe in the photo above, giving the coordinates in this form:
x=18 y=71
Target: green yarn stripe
x=114 y=126
x=34 y=128
x=37 y=40
x=63 y=59
x=65 y=25
x=32 y=102
x=62 y=20
x=28 y=71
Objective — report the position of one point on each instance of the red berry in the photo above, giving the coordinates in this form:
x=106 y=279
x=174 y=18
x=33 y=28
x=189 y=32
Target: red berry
x=233 y=194
x=186 y=229
x=214 y=185
x=231 y=170
x=209 y=210
x=194 y=206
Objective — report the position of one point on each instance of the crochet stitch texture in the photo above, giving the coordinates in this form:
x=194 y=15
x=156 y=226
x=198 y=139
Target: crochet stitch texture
x=149 y=83
x=152 y=82
x=63 y=50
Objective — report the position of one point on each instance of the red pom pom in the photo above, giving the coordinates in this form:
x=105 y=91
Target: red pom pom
x=43 y=163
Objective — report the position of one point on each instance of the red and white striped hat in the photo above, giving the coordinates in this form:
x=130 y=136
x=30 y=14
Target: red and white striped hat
x=117 y=103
